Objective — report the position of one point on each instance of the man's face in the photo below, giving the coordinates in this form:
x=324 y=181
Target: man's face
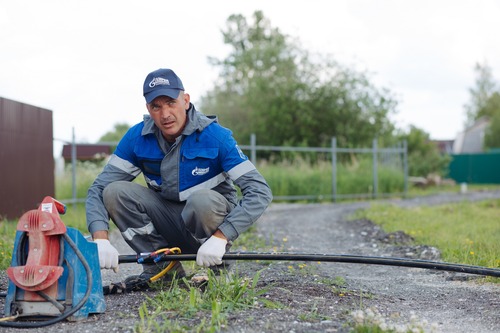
x=169 y=114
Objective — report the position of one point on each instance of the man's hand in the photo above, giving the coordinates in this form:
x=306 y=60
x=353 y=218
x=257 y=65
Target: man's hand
x=211 y=252
x=108 y=255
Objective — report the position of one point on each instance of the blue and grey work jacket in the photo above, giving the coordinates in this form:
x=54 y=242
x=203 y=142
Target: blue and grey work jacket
x=205 y=156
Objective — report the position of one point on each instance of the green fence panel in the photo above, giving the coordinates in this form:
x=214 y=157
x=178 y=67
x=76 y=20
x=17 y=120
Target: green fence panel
x=475 y=168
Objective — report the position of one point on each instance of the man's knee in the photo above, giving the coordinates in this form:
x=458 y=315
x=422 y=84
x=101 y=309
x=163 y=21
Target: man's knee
x=112 y=191
x=204 y=212
x=201 y=200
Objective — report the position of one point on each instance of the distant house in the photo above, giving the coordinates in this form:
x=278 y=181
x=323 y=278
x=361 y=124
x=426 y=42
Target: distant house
x=444 y=146
x=87 y=152
x=471 y=141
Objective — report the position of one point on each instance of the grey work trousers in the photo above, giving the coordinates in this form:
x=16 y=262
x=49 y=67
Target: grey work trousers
x=148 y=222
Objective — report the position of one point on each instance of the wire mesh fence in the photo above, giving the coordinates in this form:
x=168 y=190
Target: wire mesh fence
x=395 y=157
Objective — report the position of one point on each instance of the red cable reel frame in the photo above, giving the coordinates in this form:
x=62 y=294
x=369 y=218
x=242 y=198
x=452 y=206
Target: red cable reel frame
x=44 y=228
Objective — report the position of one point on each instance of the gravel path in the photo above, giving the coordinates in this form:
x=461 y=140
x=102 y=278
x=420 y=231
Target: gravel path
x=312 y=297
x=442 y=298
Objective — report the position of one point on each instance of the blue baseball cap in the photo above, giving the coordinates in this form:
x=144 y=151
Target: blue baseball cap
x=162 y=82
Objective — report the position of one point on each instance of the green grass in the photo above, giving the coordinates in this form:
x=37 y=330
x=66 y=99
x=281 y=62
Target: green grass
x=7 y=234
x=465 y=232
x=85 y=175
x=301 y=178
x=216 y=300
x=414 y=191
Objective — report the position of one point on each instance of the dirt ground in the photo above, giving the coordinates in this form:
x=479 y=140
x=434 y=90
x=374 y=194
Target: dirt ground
x=314 y=299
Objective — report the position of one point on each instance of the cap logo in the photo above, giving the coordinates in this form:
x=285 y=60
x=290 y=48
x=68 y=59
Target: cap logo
x=159 y=81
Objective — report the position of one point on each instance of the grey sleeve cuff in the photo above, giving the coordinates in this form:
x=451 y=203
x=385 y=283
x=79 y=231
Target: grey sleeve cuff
x=97 y=226
x=228 y=230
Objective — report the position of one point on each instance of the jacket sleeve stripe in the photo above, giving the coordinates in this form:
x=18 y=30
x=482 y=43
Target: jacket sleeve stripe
x=241 y=169
x=124 y=165
x=208 y=184
x=129 y=234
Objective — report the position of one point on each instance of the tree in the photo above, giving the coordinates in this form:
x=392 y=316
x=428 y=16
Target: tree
x=114 y=136
x=479 y=95
x=485 y=103
x=423 y=155
x=492 y=111
x=270 y=86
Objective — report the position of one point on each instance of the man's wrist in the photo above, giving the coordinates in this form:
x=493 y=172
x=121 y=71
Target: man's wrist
x=219 y=234
x=101 y=234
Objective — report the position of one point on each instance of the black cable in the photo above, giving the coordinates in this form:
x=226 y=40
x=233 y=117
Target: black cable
x=388 y=261
x=53 y=301
x=61 y=251
x=70 y=281
x=73 y=309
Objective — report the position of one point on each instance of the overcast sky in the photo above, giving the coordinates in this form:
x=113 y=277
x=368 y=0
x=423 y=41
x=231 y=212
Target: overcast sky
x=87 y=60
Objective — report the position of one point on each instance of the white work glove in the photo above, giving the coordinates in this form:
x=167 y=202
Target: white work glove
x=211 y=252
x=108 y=255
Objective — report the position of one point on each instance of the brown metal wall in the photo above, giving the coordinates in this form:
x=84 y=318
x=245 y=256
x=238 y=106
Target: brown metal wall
x=26 y=157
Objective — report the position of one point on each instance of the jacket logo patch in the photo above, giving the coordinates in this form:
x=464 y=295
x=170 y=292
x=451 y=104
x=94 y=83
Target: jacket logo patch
x=199 y=171
x=243 y=157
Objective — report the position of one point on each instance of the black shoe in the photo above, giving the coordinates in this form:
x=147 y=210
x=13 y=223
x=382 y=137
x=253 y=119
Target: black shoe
x=151 y=270
x=143 y=280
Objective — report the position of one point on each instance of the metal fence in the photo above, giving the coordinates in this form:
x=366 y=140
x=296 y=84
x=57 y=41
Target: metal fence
x=398 y=154
x=394 y=155
x=475 y=168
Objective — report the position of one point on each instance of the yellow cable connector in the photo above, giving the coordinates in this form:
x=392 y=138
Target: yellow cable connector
x=174 y=250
